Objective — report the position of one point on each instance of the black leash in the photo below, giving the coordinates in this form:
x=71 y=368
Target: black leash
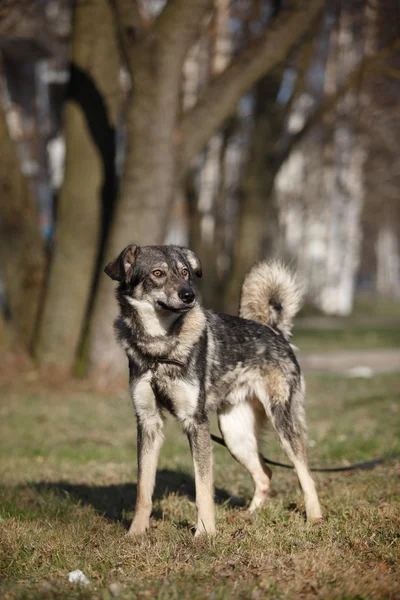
x=368 y=464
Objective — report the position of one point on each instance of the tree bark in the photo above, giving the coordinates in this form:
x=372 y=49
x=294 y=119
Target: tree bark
x=321 y=185
x=5 y=335
x=22 y=253
x=88 y=190
x=258 y=218
x=147 y=186
x=206 y=182
x=387 y=250
x=343 y=175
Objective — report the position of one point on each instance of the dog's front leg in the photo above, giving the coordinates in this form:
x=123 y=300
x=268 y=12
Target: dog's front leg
x=150 y=439
x=200 y=446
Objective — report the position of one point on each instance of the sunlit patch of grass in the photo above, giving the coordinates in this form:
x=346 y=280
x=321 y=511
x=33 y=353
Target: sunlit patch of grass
x=68 y=473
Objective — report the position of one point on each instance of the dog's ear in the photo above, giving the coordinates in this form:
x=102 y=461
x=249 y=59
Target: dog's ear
x=193 y=261
x=119 y=267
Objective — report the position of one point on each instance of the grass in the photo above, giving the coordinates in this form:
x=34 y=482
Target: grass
x=375 y=306
x=373 y=324
x=348 y=336
x=68 y=473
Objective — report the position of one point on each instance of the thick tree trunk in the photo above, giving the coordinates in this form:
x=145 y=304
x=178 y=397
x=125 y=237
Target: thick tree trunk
x=257 y=227
x=321 y=188
x=345 y=194
x=141 y=215
x=388 y=252
x=149 y=177
x=89 y=185
x=343 y=183
x=205 y=189
x=22 y=255
x=5 y=335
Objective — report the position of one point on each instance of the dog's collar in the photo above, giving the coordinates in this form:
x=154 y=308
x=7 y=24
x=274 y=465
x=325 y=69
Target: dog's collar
x=166 y=361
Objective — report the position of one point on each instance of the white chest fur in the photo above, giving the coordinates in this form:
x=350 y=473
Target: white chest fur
x=182 y=395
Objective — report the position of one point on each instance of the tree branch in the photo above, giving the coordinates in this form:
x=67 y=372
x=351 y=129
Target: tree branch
x=220 y=99
x=131 y=26
x=174 y=29
x=329 y=103
x=180 y=14
x=130 y=16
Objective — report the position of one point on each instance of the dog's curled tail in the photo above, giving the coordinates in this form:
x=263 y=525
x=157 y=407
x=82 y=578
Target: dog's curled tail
x=272 y=295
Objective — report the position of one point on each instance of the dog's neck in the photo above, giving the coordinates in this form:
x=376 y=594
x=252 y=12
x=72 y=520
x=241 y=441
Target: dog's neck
x=154 y=322
x=145 y=332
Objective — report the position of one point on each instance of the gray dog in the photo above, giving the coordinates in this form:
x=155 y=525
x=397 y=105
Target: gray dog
x=189 y=361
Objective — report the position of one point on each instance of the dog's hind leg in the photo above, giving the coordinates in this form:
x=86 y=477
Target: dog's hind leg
x=287 y=416
x=239 y=425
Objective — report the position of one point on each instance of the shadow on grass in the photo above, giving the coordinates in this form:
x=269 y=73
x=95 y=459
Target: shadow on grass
x=114 y=501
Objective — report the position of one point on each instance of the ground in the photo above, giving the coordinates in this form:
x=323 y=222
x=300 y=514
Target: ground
x=68 y=473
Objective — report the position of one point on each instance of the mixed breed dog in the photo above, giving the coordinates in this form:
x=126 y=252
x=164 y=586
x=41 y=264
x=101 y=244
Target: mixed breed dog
x=190 y=361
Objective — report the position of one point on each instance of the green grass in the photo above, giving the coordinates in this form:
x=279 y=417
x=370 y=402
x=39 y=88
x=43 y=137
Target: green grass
x=374 y=306
x=349 y=337
x=373 y=324
x=68 y=473
x=365 y=306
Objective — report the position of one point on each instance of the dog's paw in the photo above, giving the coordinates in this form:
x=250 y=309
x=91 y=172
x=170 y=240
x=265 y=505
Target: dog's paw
x=315 y=520
x=202 y=532
x=137 y=528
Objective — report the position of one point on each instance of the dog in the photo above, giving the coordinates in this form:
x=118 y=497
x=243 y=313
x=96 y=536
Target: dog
x=189 y=361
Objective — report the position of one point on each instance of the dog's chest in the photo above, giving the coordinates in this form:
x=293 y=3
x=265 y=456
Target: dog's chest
x=152 y=391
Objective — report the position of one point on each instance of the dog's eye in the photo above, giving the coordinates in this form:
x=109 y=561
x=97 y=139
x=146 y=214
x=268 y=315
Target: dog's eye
x=185 y=272
x=157 y=273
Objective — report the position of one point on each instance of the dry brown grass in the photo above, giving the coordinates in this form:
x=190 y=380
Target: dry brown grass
x=68 y=473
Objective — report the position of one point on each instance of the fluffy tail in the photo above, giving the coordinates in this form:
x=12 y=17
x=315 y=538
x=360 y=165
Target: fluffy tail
x=271 y=295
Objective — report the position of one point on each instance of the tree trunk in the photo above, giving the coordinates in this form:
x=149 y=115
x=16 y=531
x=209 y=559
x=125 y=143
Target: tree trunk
x=205 y=181
x=388 y=252
x=343 y=185
x=5 y=335
x=257 y=223
x=22 y=255
x=141 y=214
x=149 y=177
x=343 y=227
x=323 y=184
x=88 y=190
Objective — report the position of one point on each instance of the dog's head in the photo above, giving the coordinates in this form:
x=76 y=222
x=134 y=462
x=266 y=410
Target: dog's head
x=162 y=276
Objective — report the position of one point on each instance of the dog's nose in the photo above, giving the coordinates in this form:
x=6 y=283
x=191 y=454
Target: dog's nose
x=186 y=295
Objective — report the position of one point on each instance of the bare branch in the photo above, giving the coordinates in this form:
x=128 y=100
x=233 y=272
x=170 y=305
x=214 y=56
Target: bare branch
x=179 y=15
x=130 y=16
x=220 y=99
x=392 y=72
x=173 y=30
x=329 y=103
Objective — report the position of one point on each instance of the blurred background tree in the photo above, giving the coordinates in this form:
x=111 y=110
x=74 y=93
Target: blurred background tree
x=243 y=128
